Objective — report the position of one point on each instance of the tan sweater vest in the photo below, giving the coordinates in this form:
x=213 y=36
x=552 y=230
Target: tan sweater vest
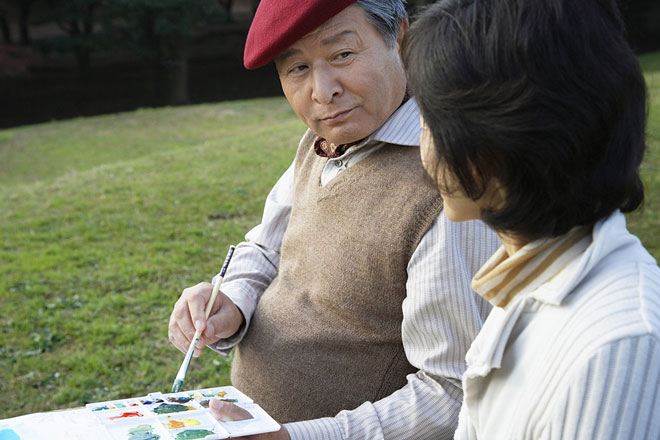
x=326 y=334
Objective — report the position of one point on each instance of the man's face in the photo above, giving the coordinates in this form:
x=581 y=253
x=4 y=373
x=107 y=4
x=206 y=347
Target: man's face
x=342 y=79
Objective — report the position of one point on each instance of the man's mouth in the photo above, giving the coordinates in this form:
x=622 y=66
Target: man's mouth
x=336 y=117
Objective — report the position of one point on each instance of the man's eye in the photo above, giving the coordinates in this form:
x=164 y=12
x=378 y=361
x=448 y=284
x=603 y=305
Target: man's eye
x=344 y=55
x=298 y=69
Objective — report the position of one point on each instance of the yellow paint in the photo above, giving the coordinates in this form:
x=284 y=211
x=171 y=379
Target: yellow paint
x=181 y=423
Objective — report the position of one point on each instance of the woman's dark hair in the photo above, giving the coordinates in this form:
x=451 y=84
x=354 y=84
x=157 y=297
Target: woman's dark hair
x=544 y=95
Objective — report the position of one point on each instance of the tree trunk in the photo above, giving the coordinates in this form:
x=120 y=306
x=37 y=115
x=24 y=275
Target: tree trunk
x=176 y=73
x=227 y=5
x=24 y=17
x=4 y=27
x=86 y=30
x=83 y=62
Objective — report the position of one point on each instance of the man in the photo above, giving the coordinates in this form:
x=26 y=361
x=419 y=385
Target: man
x=354 y=291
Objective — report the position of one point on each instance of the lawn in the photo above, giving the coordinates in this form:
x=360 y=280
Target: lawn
x=646 y=222
x=105 y=220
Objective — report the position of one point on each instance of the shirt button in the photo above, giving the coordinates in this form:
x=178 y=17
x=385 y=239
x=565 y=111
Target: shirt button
x=339 y=163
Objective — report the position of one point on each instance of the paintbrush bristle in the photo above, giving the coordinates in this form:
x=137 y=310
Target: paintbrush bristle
x=176 y=387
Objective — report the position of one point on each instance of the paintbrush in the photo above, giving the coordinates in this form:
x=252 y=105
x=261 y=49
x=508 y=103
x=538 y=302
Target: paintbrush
x=181 y=375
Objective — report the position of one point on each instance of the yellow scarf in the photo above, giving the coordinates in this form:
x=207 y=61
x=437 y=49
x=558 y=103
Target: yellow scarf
x=503 y=277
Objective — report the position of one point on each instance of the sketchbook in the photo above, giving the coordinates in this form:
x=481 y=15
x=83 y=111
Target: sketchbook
x=156 y=416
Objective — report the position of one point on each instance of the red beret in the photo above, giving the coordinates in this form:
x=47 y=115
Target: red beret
x=278 y=24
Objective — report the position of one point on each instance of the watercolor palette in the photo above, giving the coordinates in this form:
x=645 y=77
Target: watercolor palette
x=179 y=416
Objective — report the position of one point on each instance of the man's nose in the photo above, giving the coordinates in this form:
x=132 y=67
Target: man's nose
x=326 y=85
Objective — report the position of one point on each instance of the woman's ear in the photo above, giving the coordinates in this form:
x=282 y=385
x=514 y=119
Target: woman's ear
x=495 y=196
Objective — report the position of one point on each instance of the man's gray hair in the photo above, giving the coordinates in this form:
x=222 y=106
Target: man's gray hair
x=386 y=15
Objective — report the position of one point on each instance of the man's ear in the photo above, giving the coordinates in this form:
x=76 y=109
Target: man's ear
x=403 y=27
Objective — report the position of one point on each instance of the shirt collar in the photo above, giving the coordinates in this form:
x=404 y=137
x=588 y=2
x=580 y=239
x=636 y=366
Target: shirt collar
x=402 y=128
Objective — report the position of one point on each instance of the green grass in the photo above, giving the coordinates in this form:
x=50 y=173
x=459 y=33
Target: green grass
x=645 y=223
x=105 y=220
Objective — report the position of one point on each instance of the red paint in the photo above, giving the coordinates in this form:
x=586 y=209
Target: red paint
x=126 y=415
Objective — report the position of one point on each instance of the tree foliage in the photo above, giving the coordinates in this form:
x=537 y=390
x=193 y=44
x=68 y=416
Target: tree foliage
x=158 y=32
x=77 y=19
x=155 y=29
x=642 y=19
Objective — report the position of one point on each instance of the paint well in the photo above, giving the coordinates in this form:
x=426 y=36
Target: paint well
x=9 y=434
x=192 y=434
x=126 y=415
x=142 y=432
x=169 y=408
x=179 y=399
x=181 y=423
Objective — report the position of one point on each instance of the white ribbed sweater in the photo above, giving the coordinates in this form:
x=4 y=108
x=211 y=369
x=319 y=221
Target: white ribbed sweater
x=575 y=358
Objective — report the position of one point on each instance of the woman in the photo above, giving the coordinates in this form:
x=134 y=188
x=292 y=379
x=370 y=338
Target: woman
x=534 y=116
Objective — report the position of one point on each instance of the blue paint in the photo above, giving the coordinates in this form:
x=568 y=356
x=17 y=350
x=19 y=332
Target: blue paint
x=151 y=402
x=8 y=434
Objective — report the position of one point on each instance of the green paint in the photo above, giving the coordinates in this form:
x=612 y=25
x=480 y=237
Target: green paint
x=141 y=428
x=192 y=434
x=169 y=408
x=176 y=386
x=142 y=432
x=144 y=436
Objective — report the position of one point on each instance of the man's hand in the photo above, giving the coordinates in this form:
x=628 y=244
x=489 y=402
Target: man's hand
x=188 y=316
x=227 y=412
